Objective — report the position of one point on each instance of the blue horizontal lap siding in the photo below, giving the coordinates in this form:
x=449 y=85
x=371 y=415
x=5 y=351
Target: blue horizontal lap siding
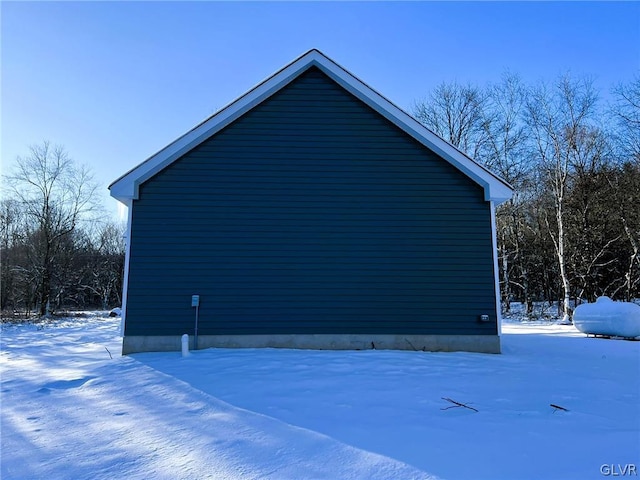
x=311 y=214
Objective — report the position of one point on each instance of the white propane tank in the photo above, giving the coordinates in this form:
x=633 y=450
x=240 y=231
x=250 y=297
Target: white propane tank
x=606 y=317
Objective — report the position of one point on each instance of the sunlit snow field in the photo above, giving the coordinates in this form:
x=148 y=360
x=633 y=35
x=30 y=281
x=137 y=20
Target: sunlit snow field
x=70 y=411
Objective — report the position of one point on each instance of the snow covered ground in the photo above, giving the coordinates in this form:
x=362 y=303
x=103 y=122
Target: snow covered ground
x=69 y=411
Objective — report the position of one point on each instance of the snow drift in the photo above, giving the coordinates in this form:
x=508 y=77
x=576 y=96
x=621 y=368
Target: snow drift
x=606 y=317
x=71 y=411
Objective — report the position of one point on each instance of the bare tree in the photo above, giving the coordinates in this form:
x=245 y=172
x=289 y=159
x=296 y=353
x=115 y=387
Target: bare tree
x=12 y=276
x=55 y=195
x=593 y=230
x=505 y=152
x=505 y=133
x=455 y=113
x=625 y=185
x=102 y=274
x=626 y=113
x=561 y=119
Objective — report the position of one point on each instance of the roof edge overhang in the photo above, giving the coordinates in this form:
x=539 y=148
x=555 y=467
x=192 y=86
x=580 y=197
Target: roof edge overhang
x=126 y=188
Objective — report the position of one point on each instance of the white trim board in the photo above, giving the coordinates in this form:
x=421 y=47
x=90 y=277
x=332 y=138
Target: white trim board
x=126 y=187
x=127 y=257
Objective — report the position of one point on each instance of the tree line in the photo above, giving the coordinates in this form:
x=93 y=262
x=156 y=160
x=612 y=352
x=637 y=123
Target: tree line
x=571 y=232
x=58 y=251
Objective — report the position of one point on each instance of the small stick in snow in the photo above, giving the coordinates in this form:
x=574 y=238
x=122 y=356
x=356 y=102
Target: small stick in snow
x=108 y=353
x=558 y=407
x=456 y=404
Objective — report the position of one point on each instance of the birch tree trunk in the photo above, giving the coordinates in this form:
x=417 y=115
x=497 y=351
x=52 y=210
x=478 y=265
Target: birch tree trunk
x=558 y=118
x=562 y=263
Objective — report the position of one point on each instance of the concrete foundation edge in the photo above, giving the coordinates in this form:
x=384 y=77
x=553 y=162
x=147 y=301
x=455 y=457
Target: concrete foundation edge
x=428 y=343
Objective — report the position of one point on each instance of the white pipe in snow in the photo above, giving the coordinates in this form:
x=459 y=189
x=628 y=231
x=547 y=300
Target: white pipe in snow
x=185 y=345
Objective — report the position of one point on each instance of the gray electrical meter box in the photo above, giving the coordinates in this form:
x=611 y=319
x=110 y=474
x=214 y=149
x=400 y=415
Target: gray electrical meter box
x=195 y=300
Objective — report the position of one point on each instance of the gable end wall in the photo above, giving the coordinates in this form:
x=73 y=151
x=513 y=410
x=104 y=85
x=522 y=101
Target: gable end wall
x=311 y=214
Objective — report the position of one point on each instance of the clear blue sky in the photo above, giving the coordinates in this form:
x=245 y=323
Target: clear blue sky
x=115 y=82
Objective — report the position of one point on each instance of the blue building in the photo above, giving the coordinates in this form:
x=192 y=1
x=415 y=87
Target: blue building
x=311 y=212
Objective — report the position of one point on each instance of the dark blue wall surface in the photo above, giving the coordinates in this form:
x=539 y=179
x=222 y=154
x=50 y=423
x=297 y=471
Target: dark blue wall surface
x=311 y=214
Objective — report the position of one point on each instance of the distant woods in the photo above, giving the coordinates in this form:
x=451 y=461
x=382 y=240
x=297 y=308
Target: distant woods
x=57 y=251
x=572 y=230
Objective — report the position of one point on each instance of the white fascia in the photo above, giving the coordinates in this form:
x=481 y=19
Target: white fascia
x=126 y=187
